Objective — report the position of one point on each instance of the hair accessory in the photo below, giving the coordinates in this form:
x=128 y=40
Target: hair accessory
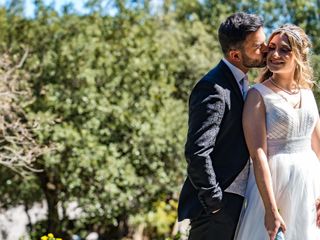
x=292 y=32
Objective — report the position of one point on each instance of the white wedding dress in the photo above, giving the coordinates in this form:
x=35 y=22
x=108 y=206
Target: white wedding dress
x=294 y=167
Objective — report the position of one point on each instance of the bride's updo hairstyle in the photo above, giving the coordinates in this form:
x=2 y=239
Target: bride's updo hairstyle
x=301 y=47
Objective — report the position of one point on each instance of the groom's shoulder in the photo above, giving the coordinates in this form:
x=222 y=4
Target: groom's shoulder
x=213 y=78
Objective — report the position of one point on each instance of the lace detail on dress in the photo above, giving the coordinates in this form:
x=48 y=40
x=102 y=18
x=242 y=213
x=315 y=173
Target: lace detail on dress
x=282 y=120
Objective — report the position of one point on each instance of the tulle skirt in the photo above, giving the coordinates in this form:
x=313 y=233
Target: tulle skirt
x=296 y=184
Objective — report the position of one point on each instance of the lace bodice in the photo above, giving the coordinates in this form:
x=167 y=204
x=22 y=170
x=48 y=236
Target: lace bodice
x=288 y=129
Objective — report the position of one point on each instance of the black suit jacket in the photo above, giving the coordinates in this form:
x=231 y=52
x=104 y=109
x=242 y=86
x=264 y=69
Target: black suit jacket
x=215 y=150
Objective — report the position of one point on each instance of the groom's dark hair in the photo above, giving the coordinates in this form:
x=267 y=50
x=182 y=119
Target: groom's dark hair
x=234 y=30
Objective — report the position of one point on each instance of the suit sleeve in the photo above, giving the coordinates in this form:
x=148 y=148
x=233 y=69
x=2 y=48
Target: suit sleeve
x=206 y=111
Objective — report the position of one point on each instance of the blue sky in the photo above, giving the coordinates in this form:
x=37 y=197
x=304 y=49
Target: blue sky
x=29 y=7
x=78 y=5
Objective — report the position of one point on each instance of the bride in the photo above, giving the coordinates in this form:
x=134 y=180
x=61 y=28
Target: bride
x=282 y=130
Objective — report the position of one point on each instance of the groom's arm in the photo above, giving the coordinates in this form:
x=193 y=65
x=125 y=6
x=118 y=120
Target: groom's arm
x=206 y=110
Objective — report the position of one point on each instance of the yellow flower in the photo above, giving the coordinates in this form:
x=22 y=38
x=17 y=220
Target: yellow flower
x=44 y=238
x=50 y=235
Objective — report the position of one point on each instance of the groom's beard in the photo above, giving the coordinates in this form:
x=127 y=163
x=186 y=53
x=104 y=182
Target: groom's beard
x=253 y=63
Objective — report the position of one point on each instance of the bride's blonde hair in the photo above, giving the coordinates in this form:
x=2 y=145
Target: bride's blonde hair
x=301 y=47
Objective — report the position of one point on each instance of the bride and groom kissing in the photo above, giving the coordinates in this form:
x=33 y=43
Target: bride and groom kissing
x=253 y=156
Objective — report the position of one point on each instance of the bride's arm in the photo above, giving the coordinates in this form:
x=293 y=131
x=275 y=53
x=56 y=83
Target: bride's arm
x=315 y=142
x=254 y=127
x=316 y=139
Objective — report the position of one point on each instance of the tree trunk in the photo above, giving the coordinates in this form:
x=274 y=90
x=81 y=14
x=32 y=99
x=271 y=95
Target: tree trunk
x=50 y=190
x=26 y=209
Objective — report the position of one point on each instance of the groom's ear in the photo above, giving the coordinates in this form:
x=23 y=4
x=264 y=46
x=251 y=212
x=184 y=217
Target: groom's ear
x=234 y=55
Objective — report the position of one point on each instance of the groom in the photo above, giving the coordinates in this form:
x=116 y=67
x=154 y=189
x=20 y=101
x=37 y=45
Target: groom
x=216 y=152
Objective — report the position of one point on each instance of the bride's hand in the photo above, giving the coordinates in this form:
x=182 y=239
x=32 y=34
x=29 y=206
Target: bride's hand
x=273 y=221
x=318 y=212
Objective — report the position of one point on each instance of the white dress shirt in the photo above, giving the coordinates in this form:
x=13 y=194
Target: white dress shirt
x=239 y=185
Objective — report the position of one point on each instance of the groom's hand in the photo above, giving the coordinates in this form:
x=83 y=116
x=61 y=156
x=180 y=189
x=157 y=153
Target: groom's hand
x=318 y=212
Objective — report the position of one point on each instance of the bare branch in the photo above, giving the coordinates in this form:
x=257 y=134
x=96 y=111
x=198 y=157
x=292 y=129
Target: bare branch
x=19 y=148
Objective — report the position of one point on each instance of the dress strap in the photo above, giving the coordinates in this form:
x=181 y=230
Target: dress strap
x=262 y=89
x=311 y=99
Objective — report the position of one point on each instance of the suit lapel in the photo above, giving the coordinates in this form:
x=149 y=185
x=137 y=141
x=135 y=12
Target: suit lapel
x=231 y=80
